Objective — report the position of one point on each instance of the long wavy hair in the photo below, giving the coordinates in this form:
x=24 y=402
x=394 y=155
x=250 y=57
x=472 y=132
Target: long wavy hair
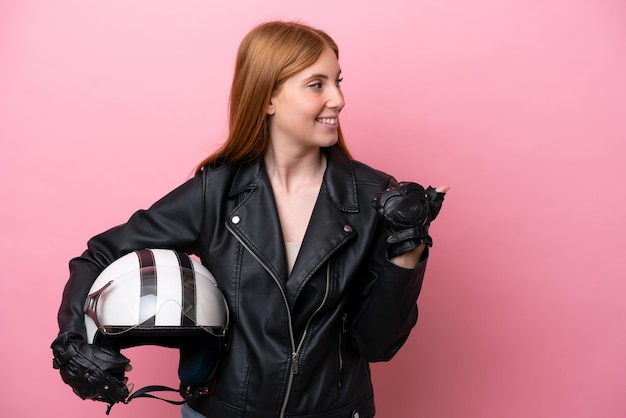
x=267 y=56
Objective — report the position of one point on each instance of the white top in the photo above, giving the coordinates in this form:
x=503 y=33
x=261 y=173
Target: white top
x=292 y=248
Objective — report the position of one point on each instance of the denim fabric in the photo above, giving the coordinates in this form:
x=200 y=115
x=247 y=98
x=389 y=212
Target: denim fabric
x=187 y=412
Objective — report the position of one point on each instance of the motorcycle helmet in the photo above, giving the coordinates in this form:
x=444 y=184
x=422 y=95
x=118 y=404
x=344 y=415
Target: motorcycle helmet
x=161 y=297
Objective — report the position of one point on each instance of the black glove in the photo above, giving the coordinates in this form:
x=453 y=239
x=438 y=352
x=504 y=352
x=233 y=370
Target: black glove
x=92 y=371
x=408 y=210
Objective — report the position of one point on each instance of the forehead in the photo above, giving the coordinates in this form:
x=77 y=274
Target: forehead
x=327 y=65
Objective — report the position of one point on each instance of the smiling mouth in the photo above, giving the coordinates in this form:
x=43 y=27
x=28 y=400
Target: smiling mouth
x=327 y=121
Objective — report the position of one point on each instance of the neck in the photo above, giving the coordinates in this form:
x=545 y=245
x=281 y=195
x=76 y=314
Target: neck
x=288 y=170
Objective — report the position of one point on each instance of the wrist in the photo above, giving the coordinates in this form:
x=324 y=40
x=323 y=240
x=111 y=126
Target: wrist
x=409 y=259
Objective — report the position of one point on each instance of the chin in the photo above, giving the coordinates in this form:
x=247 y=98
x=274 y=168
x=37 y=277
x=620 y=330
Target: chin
x=328 y=142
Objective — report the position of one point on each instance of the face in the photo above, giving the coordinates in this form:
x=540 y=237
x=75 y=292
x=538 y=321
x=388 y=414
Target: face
x=304 y=112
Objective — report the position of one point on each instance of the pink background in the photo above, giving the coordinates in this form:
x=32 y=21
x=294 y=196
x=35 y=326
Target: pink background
x=518 y=105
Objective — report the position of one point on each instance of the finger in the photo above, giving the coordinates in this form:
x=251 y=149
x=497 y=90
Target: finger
x=442 y=189
x=130 y=387
x=128 y=367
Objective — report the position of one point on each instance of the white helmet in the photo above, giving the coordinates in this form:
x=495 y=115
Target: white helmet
x=160 y=297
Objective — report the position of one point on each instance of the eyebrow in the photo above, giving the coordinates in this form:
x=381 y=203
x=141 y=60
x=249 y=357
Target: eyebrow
x=323 y=76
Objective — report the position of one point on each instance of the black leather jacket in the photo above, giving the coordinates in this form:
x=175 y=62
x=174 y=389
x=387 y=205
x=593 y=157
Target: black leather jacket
x=299 y=345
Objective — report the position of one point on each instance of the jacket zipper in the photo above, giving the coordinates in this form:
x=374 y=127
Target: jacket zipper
x=295 y=356
x=295 y=351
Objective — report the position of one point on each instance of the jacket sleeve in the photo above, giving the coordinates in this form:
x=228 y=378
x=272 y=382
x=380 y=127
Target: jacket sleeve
x=173 y=222
x=386 y=309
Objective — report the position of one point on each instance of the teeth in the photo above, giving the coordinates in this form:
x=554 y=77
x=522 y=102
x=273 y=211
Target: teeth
x=328 y=121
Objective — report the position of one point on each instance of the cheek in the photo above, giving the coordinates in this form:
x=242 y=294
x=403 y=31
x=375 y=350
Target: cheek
x=312 y=109
x=303 y=113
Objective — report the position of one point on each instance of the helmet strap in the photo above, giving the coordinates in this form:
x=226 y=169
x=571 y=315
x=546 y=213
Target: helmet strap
x=188 y=393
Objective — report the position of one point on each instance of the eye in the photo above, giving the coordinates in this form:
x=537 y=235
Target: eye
x=338 y=82
x=317 y=85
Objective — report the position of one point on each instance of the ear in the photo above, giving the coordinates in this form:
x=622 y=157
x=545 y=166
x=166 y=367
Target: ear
x=270 y=108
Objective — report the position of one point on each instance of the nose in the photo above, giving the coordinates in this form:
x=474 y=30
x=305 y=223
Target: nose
x=335 y=99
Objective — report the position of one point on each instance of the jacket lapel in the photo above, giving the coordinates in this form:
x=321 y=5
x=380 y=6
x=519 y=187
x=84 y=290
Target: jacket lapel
x=255 y=219
x=328 y=228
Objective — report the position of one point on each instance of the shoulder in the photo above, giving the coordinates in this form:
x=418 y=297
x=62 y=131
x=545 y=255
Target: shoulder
x=231 y=179
x=343 y=167
x=215 y=173
x=367 y=175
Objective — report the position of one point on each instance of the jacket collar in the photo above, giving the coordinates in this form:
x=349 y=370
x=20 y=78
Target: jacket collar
x=339 y=179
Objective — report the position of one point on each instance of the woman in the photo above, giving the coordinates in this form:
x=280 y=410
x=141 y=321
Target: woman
x=318 y=283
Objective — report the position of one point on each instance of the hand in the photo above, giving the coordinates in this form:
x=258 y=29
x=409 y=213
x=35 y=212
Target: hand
x=92 y=371
x=408 y=210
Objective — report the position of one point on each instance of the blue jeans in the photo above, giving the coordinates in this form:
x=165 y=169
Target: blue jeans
x=187 y=412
